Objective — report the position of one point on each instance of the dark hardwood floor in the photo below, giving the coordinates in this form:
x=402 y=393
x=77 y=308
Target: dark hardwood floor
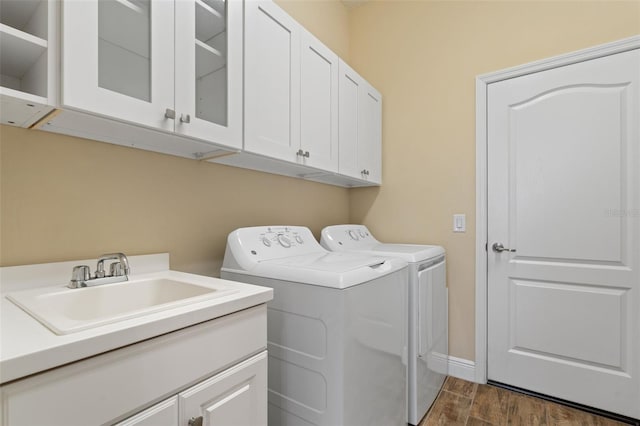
x=465 y=403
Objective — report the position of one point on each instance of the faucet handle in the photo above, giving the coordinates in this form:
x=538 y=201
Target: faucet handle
x=79 y=276
x=116 y=270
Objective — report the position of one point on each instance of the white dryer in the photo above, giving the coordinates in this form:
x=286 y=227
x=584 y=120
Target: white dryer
x=336 y=328
x=428 y=308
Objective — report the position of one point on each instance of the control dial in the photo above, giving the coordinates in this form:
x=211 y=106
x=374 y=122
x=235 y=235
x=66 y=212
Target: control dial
x=362 y=234
x=353 y=235
x=299 y=239
x=266 y=241
x=284 y=241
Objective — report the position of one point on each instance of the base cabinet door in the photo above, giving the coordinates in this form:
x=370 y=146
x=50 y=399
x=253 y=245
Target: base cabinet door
x=236 y=397
x=164 y=413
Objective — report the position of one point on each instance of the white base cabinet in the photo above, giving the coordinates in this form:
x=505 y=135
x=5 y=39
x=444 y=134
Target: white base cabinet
x=234 y=397
x=216 y=370
x=164 y=413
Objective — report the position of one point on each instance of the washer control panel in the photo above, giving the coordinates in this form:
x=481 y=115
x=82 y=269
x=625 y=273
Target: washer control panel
x=273 y=242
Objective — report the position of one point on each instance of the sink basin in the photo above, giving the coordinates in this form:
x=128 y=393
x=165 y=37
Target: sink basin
x=65 y=310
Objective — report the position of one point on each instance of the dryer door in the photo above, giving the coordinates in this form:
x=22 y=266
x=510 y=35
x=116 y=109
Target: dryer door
x=432 y=317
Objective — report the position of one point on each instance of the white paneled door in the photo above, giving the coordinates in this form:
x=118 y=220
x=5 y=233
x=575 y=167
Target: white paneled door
x=564 y=232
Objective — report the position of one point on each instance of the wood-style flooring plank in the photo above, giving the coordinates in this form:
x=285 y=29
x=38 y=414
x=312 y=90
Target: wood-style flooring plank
x=491 y=404
x=559 y=415
x=449 y=409
x=472 y=421
x=468 y=404
x=526 y=411
x=460 y=387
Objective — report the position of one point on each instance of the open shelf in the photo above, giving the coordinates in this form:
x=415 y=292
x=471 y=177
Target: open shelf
x=21 y=109
x=23 y=59
x=29 y=16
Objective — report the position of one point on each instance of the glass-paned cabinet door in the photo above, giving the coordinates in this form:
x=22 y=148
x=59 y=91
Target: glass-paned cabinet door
x=124 y=47
x=118 y=59
x=209 y=70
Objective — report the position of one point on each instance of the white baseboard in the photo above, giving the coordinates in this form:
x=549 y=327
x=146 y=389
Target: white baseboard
x=462 y=368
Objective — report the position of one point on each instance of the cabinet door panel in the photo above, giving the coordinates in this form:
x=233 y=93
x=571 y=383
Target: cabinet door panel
x=117 y=59
x=164 y=413
x=236 y=397
x=370 y=133
x=209 y=70
x=272 y=81
x=350 y=87
x=319 y=104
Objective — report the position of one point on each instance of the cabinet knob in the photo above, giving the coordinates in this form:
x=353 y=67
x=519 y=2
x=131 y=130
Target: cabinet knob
x=185 y=118
x=306 y=154
x=170 y=114
x=365 y=172
x=195 y=421
x=300 y=153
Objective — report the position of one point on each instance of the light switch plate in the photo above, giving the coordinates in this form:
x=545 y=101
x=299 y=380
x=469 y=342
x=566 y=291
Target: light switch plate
x=459 y=223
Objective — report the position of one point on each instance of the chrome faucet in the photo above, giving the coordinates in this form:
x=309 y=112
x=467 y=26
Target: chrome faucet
x=118 y=272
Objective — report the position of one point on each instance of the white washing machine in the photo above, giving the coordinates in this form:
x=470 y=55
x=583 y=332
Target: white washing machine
x=428 y=308
x=336 y=328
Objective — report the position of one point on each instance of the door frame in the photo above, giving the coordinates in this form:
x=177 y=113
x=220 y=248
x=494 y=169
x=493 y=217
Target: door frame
x=482 y=82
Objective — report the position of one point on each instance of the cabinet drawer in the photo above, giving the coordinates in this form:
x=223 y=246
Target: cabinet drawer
x=117 y=384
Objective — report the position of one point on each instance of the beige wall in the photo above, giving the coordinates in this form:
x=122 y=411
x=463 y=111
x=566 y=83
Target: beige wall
x=423 y=56
x=64 y=198
x=326 y=19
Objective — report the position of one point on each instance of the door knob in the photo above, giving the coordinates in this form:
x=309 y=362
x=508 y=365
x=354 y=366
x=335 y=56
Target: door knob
x=499 y=248
x=195 y=421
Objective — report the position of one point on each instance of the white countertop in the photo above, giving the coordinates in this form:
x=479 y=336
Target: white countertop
x=28 y=347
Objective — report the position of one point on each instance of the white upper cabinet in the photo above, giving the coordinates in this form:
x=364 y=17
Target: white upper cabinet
x=318 y=104
x=291 y=90
x=194 y=78
x=124 y=59
x=208 y=57
x=360 y=127
x=117 y=59
x=27 y=55
x=272 y=81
